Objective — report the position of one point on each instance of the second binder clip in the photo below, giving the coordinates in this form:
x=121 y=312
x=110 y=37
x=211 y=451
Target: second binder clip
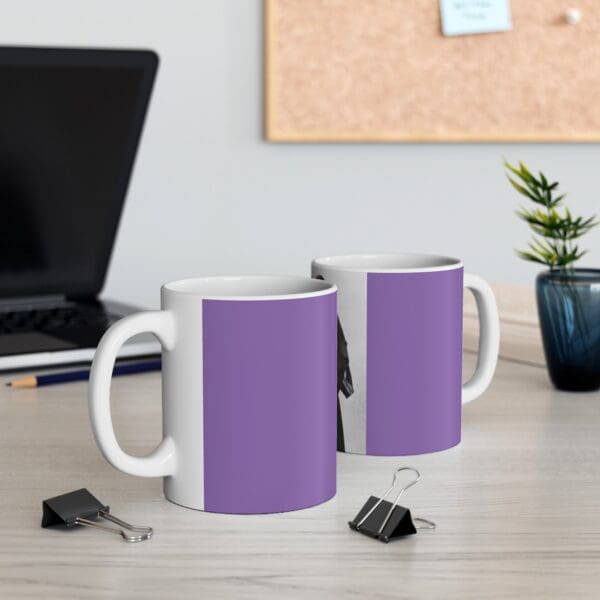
x=383 y=520
x=82 y=508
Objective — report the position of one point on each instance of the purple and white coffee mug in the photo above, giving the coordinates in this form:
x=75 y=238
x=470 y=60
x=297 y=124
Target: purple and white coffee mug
x=248 y=379
x=400 y=350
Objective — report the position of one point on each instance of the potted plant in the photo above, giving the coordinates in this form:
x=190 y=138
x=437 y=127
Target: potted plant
x=568 y=298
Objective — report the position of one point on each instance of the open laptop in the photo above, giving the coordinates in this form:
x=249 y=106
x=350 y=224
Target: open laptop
x=70 y=123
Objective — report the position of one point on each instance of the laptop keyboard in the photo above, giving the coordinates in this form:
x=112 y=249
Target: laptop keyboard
x=56 y=318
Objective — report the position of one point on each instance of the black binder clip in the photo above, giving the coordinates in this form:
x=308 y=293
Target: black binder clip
x=81 y=508
x=383 y=520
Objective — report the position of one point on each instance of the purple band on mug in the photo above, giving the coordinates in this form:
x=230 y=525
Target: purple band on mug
x=269 y=408
x=414 y=356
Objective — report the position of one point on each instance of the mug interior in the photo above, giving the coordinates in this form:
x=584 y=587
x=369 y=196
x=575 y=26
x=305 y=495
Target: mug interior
x=251 y=287
x=382 y=263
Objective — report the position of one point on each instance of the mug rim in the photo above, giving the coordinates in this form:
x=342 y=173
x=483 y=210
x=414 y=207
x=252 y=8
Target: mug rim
x=191 y=287
x=367 y=262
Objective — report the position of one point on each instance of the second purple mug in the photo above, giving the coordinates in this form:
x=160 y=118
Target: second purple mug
x=400 y=350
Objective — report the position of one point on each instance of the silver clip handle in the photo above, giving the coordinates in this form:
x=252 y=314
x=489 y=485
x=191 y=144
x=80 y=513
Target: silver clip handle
x=426 y=523
x=139 y=534
x=387 y=492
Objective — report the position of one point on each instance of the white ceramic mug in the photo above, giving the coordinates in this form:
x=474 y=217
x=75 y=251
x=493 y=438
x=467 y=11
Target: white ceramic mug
x=401 y=323
x=248 y=375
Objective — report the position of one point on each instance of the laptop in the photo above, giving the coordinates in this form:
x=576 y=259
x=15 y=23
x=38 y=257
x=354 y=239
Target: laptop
x=70 y=124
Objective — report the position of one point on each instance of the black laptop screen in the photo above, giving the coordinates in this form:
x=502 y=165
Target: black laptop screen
x=70 y=122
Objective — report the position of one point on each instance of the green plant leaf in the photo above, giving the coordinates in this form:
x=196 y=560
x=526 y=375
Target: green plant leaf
x=529 y=256
x=524 y=191
x=526 y=175
x=554 y=229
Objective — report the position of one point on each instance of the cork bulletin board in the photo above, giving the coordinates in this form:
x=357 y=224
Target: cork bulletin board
x=381 y=71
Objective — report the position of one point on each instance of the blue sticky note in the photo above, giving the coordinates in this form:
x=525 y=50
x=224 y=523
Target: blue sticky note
x=463 y=17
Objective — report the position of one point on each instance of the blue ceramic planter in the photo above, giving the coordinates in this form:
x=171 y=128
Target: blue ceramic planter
x=569 y=310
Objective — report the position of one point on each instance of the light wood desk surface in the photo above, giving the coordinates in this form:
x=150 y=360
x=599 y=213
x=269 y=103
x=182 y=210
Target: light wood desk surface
x=517 y=506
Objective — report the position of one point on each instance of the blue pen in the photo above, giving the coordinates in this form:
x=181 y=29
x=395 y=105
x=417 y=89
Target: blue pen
x=67 y=376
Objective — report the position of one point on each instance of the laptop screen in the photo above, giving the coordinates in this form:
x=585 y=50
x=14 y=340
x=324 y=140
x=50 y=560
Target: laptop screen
x=70 y=121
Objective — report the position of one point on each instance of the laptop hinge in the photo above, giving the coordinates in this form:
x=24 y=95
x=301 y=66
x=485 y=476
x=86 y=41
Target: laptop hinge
x=24 y=302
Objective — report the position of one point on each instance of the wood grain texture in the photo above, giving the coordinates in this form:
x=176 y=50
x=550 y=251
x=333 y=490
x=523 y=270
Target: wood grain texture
x=380 y=70
x=516 y=506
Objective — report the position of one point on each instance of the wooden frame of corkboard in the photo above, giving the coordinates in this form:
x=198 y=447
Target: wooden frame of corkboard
x=381 y=71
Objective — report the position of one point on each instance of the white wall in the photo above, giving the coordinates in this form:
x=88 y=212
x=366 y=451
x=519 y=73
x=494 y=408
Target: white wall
x=210 y=196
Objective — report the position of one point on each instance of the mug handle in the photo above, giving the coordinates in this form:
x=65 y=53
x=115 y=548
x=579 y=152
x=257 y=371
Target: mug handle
x=489 y=337
x=162 y=460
